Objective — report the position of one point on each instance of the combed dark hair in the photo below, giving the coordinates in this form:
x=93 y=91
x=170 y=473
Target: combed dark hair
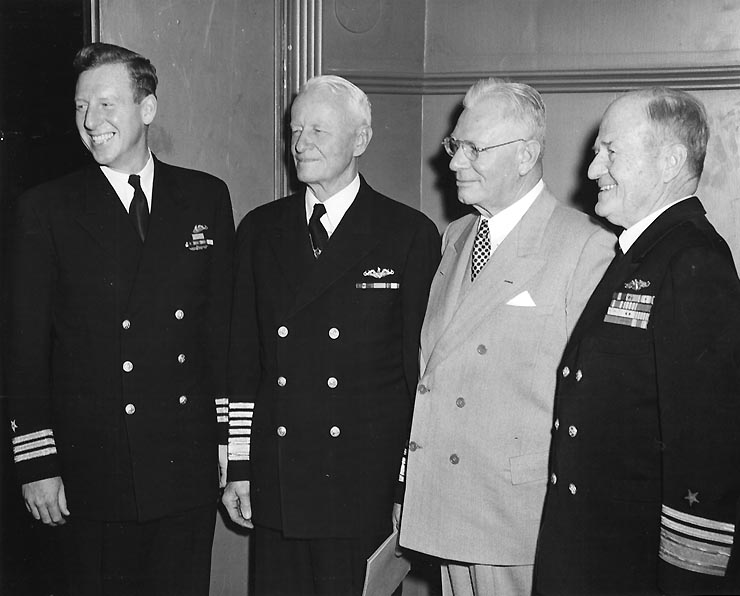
x=142 y=72
x=682 y=117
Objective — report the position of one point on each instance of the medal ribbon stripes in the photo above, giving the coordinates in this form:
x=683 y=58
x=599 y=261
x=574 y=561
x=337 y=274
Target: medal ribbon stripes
x=383 y=285
x=628 y=309
x=695 y=543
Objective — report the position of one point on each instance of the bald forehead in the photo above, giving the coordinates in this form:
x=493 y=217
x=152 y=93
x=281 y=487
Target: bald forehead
x=627 y=114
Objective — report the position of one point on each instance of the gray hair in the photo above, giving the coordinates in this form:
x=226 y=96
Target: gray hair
x=678 y=116
x=356 y=98
x=524 y=102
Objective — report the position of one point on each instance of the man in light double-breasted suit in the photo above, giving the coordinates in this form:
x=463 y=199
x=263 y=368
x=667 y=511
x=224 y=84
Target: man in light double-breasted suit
x=511 y=285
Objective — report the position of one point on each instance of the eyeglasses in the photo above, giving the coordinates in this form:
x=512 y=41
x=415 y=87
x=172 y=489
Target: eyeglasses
x=451 y=145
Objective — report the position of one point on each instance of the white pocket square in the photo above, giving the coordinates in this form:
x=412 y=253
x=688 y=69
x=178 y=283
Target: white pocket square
x=523 y=299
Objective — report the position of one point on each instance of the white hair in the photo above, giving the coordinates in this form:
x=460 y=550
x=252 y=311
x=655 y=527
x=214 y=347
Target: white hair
x=356 y=98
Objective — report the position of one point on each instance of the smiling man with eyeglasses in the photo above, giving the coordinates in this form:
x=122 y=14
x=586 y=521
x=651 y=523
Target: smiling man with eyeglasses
x=513 y=280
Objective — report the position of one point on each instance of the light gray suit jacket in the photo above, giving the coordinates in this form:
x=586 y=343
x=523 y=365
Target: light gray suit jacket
x=478 y=450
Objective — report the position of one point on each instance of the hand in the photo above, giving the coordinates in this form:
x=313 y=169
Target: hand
x=396 y=517
x=46 y=501
x=396 y=520
x=223 y=462
x=237 y=503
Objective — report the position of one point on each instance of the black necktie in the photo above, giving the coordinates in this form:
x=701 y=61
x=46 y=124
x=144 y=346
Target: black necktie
x=138 y=211
x=317 y=231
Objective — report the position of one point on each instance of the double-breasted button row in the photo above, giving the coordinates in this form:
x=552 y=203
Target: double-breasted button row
x=566 y=371
x=571 y=487
x=331 y=382
x=481 y=349
x=283 y=332
x=128 y=366
x=130 y=409
x=423 y=389
x=334 y=431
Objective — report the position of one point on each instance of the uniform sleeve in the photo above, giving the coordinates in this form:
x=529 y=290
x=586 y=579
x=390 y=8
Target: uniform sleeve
x=697 y=335
x=219 y=305
x=423 y=259
x=31 y=269
x=244 y=363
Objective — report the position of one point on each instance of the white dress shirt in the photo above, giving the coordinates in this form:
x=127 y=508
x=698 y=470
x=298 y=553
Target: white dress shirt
x=125 y=192
x=336 y=205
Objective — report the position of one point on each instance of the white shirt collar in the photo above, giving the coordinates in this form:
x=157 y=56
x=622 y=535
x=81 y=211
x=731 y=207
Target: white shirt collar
x=629 y=236
x=505 y=220
x=336 y=205
x=125 y=192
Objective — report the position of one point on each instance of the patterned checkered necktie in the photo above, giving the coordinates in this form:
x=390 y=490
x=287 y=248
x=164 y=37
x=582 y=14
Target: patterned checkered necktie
x=481 y=249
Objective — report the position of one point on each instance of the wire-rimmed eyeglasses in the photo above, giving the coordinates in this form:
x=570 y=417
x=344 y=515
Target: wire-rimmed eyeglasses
x=451 y=145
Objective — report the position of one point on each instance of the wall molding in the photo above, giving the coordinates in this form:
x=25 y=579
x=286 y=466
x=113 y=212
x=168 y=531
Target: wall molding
x=298 y=57
x=550 y=81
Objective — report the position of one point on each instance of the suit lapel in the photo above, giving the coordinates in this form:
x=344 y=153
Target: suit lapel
x=103 y=215
x=622 y=268
x=290 y=242
x=506 y=275
x=357 y=234
x=453 y=274
x=104 y=218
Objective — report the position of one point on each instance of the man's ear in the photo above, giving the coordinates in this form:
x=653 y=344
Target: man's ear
x=148 y=107
x=674 y=159
x=363 y=139
x=528 y=155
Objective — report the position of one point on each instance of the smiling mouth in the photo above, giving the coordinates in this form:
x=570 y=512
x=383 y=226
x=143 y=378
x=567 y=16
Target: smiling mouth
x=607 y=187
x=100 y=139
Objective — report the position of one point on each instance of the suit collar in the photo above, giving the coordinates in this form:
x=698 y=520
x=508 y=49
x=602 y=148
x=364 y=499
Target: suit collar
x=461 y=306
x=666 y=221
x=623 y=267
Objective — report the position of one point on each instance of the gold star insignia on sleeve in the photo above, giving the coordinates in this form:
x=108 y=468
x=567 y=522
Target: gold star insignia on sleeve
x=692 y=497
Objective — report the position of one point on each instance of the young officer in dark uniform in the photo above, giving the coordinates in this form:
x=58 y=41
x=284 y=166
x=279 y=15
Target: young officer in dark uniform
x=644 y=483
x=331 y=288
x=120 y=293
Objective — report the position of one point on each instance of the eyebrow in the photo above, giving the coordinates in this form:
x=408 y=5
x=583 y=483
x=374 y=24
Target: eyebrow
x=597 y=143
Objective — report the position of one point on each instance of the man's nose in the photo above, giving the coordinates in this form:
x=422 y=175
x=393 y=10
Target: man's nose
x=597 y=167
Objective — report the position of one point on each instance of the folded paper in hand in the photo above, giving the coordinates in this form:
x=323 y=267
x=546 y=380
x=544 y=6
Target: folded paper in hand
x=385 y=571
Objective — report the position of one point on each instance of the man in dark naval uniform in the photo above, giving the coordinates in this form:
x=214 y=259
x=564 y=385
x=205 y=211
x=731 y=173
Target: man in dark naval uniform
x=120 y=293
x=644 y=483
x=330 y=293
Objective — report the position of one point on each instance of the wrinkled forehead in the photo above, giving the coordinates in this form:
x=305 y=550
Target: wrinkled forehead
x=323 y=104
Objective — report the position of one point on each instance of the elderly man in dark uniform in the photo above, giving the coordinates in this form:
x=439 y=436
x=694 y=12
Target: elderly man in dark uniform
x=120 y=293
x=644 y=483
x=331 y=288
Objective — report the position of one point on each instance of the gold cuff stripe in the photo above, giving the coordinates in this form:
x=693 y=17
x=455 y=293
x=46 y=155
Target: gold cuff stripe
x=699 y=521
x=691 y=555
